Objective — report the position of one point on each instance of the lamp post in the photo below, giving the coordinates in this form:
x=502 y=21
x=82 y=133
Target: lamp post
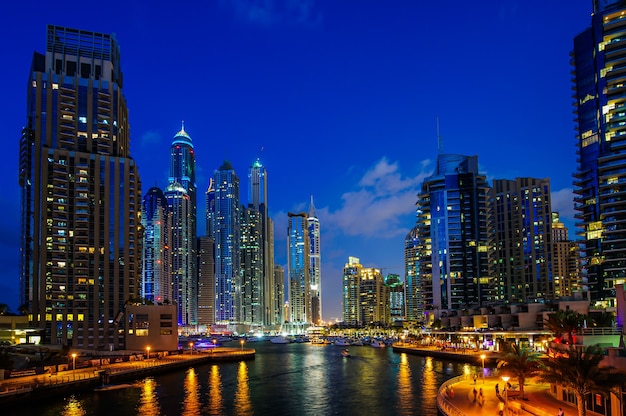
x=506 y=394
x=241 y=345
x=191 y=348
x=74 y=365
x=148 y=351
x=482 y=356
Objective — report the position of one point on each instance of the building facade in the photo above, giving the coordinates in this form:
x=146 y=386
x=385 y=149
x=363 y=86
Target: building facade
x=600 y=178
x=206 y=281
x=453 y=226
x=80 y=193
x=413 y=287
x=226 y=228
x=182 y=198
x=156 y=282
x=315 y=256
x=299 y=267
x=350 y=291
x=522 y=213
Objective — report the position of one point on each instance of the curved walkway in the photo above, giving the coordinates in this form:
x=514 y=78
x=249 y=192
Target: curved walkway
x=456 y=398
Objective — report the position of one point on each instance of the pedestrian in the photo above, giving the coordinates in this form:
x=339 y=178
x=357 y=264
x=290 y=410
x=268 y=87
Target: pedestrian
x=451 y=392
x=475 y=393
x=497 y=388
x=560 y=412
x=475 y=380
x=481 y=399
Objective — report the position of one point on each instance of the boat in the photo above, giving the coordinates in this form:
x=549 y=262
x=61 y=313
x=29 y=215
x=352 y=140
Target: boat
x=280 y=340
x=345 y=353
x=377 y=343
x=342 y=342
x=107 y=387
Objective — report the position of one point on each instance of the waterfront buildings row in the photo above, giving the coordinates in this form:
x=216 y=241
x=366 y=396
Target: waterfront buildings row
x=91 y=245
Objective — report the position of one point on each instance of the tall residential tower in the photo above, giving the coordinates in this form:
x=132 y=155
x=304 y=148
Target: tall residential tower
x=81 y=193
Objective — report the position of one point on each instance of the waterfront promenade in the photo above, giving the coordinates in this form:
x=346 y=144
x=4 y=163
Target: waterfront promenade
x=16 y=390
x=456 y=396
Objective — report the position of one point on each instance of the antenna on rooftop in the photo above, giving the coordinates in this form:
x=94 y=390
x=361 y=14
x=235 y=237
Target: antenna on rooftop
x=439 y=140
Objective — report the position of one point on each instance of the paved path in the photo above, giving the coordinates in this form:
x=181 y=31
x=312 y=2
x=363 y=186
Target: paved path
x=538 y=401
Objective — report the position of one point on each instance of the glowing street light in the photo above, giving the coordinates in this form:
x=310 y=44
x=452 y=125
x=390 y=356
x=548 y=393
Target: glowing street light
x=74 y=365
x=148 y=351
x=241 y=345
x=191 y=348
x=483 y=356
x=506 y=394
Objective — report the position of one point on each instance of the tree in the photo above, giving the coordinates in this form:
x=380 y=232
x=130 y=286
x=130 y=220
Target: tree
x=579 y=371
x=564 y=322
x=520 y=362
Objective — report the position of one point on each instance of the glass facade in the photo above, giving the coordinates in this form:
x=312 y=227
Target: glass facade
x=298 y=270
x=156 y=283
x=315 y=258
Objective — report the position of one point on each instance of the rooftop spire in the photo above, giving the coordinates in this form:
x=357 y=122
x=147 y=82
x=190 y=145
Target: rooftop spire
x=312 y=208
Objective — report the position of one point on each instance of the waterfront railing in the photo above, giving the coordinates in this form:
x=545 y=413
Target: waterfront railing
x=445 y=407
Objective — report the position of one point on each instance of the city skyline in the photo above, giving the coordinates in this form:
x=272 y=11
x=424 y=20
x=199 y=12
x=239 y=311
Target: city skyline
x=341 y=102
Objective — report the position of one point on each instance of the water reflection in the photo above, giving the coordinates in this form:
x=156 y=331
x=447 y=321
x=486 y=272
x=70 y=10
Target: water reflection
x=191 y=404
x=406 y=400
x=215 y=405
x=73 y=408
x=149 y=399
x=243 y=406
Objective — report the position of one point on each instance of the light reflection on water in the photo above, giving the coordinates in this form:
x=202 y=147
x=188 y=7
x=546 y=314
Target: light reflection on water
x=283 y=379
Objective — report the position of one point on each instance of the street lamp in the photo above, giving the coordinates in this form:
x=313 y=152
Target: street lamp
x=74 y=365
x=483 y=356
x=506 y=394
x=148 y=351
x=241 y=345
x=191 y=348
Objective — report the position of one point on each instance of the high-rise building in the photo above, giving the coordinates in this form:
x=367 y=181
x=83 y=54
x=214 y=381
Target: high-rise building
x=206 y=281
x=257 y=199
x=414 y=304
x=600 y=180
x=315 y=256
x=251 y=288
x=298 y=262
x=396 y=297
x=350 y=291
x=80 y=193
x=453 y=227
x=184 y=257
x=278 y=302
x=565 y=262
x=226 y=230
x=522 y=214
x=156 y=282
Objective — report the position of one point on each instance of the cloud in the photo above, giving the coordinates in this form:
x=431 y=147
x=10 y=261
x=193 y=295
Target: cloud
x=563 y=203
x=273 y=12
x=379 y=205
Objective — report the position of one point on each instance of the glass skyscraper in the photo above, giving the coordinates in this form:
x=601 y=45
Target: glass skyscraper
x=181 y=195
x=452 y=225
x=226 y=228
x=298 y=262
x=80 y=193
x=156 y=283
x=313 y=225
x=598 y=59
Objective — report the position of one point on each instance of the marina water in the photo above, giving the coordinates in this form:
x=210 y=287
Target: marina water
x=283 y=379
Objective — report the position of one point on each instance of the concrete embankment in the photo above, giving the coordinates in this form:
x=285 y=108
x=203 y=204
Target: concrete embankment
x=466 y=356
x=15 y=392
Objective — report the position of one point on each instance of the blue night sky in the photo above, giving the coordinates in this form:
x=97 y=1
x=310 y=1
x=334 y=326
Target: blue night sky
x=342 y=96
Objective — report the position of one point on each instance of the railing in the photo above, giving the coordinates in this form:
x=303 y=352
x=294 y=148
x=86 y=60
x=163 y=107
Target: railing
x=443 y=404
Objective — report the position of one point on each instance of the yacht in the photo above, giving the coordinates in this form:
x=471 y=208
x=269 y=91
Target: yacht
x=377 y=343
x=280 y=340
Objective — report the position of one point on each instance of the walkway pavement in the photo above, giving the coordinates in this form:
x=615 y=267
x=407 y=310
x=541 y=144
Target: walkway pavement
x=538 y=400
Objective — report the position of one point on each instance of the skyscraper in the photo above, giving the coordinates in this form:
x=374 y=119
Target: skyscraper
x=600 y=179
x=313 y=225
x=522 y=213
x=413 y=302
x=452 y=224
x=565 y=262
x=156 y=282
x=257 y=199
x=181 y=194
x=81 y=193
x=365 y=297
x=350 y=291
x=227 y=239
x=206 y=281
x=298 y=262
x=251 y=288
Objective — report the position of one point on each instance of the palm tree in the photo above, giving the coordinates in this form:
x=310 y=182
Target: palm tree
x=579 y=371
x=521 y=362
x=564 y=322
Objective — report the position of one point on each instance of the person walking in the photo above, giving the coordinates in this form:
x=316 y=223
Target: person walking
x=475 y=379
x=481 y=398
x=560 y=412
x=475 y=393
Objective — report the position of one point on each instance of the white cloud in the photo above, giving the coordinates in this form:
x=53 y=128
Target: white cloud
x=563 y=202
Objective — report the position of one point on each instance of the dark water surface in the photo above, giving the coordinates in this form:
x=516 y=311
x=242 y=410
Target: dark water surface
x=283 y=379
